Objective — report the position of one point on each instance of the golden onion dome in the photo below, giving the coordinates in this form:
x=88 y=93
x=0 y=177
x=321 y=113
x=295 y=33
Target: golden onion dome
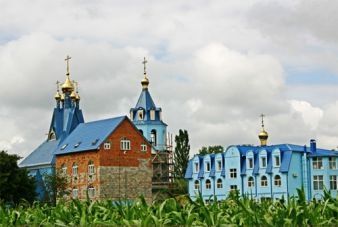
x=73 y=95
x=77 y=96
x=67 y=86
x=145 y=82
x=57 y=96
x=62 y=97
x=263 y=135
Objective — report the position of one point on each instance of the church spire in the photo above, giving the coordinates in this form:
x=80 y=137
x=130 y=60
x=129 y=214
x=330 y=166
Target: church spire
x=145 y=80
x=67 y=86
x=263 y=135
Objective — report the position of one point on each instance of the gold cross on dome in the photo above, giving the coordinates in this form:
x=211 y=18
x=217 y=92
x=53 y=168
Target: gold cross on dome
x=57 y=85
x=67 y=60
x=144 y=65
x=262 y=116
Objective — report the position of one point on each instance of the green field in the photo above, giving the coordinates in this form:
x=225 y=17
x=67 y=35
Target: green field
x=181 y=211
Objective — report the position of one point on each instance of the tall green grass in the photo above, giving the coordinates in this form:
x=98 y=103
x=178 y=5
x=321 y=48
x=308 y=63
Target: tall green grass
x=233 y=211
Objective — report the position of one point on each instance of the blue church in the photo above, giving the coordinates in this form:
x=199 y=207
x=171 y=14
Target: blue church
x=264 y=172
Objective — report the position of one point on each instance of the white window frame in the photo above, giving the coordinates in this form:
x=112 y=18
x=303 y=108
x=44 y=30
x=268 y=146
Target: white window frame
x=233 y=173
x=106 y=145
x=219 y=165
x=264 y=183
x=332 y=163
x=275 y=158
x=333 y=182
x=263 y=162
x=75 y=169
x=152 y=115
x=318 y=182
x=197 y=185
x=250 y=160
x=207 y=184
x=251 y=183
x=91 y=191
x=317 y=163
x=233 y=187
x=75 y=193
x=207 y=166
x=143 y=147
x=125 y=144
x=91 y=169
x=219 y=183
x=140 y=115
x=277 y=182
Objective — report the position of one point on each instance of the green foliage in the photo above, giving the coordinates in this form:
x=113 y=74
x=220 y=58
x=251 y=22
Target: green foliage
x=56 y=186
x=15 y=184
x=181 y=155
x=211 y=150
x=234 y=211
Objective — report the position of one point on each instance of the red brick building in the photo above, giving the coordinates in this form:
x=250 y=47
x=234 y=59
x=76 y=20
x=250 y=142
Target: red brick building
x=106 y=159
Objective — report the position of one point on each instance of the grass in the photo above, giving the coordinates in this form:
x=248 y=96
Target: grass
x=233 y=211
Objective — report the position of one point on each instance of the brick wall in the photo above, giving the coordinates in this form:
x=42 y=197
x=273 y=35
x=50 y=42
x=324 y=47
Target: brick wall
x=117 y=174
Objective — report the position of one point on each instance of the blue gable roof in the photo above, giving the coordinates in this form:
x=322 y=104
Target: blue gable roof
x=89 y=136
x=43 y=155
x=145 y=101
x=188 y=172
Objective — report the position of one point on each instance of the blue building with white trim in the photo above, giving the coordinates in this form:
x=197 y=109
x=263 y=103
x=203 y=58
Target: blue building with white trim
x=264 y=172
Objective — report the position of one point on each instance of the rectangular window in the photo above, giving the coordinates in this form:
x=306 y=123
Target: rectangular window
x=263 y=159
x=219 y=165
x=207 y=167
x=75 y=193
x=233 y=187
x=196 y=168
x=106 y=146
x=91 y=169
x=75 y=170
x=233 y=173
x=152 y=115
x=332 y=163
x=317 y=163
x=277 y=161
x=91 y=192
x=143 y=147
x=318 y=182
x=125 y=145
x=333 y=182
x=250 y=163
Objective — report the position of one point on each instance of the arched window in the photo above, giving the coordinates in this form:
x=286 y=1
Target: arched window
x=197 y=185
x=91 y=167
x=264 y=181
x=251 y=182
x=91 y=191
x=208 y=184
x=74 y=169
x=153 y=137
x=278 y=181
x=140 y=115
x=51 y=135
x=219 y=183
x=141 y=131
x=63 y=169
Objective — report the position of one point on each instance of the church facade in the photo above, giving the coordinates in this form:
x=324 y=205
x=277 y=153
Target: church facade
x=264 y=172
x=102 y=159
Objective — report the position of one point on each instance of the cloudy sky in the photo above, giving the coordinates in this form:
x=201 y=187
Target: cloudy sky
x=214 y=66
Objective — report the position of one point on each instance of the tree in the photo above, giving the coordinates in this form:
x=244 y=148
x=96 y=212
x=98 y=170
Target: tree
x=211 y=150
x=181 y=156
x=56 y=186
x=15 y=184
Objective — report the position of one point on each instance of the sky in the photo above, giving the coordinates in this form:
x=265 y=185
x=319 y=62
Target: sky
x=213 y=66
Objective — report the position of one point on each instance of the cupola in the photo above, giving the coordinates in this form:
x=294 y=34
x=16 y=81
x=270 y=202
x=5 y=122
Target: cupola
x=263 y=135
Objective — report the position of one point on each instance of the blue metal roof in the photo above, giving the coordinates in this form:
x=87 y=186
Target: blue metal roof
x=201 y=162
x=212 y=160
x=43 y=155
x=188 y=172
x=89 y=136
x=145 y=101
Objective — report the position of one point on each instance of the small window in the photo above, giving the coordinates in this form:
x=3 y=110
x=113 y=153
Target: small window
x=317 y=163
x=152 y=115
x=233 y=173
x=64 y=146
x=263 y=162
x=318 y=182
x=219 y=165
x=251 y=182
x=233 y=187
x=333 y=182
x=143 y=147
x=125 y=144
x=207 y=167
x=140 y=115
x=278 y=181
x=264 y=181
x=91 y=192
x=75 y=169
x=250 y=163
x=219 y=183
x=277 y=161
x=332 y=163
x=208 y=184
x=91 y=168
x=75 y=193
x=63 y=169
x=197 y=185
x=51 y=135
x=95 y=142
x=106 y=145
x=196 y=167
x=153 y=137
x=77 y=145
x=132 y=115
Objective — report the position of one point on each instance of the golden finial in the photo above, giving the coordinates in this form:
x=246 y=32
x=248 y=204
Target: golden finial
x=144 y=81
x=263 y=135
x=77 y=90
x=57 y=95
x=67 y=86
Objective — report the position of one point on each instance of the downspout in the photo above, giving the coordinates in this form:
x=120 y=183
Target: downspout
x=271 y=186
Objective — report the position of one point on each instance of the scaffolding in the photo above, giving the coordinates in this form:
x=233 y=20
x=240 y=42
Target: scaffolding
x=163 y=166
